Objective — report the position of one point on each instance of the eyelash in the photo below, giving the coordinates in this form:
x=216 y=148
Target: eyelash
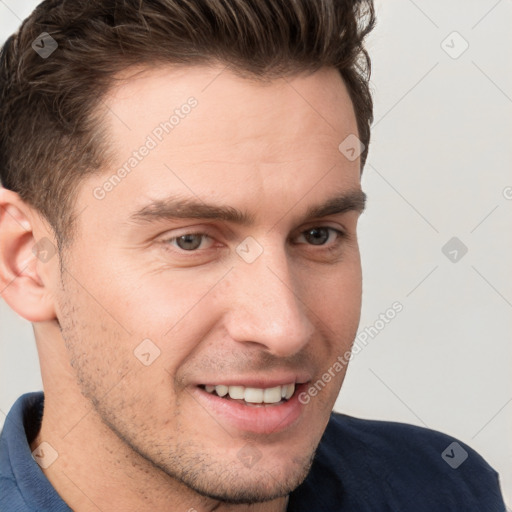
x=329 y=247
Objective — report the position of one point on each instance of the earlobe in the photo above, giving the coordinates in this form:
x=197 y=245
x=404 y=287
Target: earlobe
x=25 y=260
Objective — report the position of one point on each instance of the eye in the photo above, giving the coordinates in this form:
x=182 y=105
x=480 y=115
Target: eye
x=320 y=235
x=189 y=241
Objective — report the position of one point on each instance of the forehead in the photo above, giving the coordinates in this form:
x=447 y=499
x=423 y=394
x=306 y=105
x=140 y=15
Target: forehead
x=230 y=108
x=206 y=132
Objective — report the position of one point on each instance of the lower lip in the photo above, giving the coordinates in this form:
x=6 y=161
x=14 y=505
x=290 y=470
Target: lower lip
x=265 y=419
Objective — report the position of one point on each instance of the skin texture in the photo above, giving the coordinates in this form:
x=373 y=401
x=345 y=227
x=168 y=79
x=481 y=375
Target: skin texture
x=133 y=437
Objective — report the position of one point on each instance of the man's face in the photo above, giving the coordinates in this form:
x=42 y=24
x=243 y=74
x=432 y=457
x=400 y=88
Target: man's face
x=154 y=319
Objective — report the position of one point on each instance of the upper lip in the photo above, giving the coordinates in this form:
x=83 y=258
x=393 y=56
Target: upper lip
x=258 y=381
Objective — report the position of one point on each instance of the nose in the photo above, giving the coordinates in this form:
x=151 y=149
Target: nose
x=265 y=307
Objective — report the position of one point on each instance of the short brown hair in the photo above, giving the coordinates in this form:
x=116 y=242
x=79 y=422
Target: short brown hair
x=50 y=130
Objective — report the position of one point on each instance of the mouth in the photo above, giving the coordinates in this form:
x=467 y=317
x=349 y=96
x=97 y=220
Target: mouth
x=252 y=396
x=259 y=410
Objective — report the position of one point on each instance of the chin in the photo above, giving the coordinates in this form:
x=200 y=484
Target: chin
x=232 y=482
x=250 y=487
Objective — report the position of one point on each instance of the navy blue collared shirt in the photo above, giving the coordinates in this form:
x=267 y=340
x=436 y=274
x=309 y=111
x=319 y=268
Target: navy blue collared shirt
x=359 y=466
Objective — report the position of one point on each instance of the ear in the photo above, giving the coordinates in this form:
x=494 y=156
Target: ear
x=26 y=259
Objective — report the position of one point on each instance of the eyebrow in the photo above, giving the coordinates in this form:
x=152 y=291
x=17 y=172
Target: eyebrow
x=174 y=208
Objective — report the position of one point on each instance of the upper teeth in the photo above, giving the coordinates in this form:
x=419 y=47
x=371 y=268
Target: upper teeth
x=254 y=395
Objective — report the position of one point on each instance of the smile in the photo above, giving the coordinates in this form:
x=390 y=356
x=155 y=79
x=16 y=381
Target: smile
x=260 y=410
x=250 y=395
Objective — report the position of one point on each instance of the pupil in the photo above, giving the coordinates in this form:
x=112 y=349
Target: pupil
x=189 y=242
x=317 y=236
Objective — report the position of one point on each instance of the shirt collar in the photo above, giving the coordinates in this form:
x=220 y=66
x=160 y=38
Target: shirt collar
x=21 y=476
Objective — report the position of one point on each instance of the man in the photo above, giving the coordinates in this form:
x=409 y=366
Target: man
x=179 y=223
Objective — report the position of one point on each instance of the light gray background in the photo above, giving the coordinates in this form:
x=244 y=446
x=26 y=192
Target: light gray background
x=439 y=166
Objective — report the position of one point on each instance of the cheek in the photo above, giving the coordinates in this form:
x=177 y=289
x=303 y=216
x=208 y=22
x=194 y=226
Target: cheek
x=97 y=326
x=348 y=308
x=95 y=343
x=118 y=377
x=335 y=297
x=153 y=299
x=148 y=330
